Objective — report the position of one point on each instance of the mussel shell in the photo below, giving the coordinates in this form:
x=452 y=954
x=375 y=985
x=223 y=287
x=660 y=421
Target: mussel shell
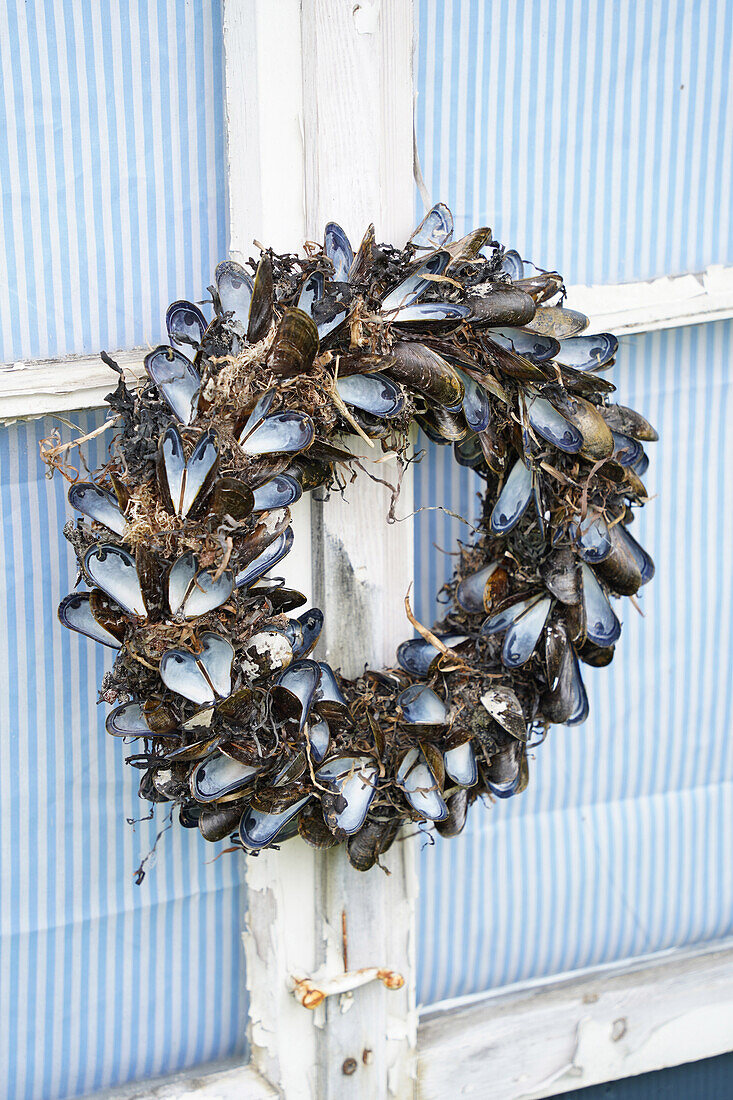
x=140 y=720
x=626 y=451
x=460 y=764
x=454 y=822
x=260 y=308
x=472 y=591
x=595 y=655
x=279 y=492
x=417 y=655
x=218 y=775
x=559 y=572
x=435 y=228
x=541 y=286
x=114 y=571
x=353 y=780
x=313 y=828
x=601 y=625
x=597 y=437
x=524 y=633
x=641 y=557
x=629 y=422
x=363 y=259
x=234 y=286
x=295 y=345
x=420 y=705
x=419 y=367
x=512 y=264
x=557 y=322
x=420 y=786
x=476 y=407
x=269 y=651
x=186 y=325
x=410 y=290
x=513 y=499
x=621 y=567
x=566 y=702
x=199 y=677
x=257 y=828
x=93 y=501
x=215 y=822
x=373 y=393
x=442 y=426
x=504 y=305
x=295 y=690
x=436 y=315
x=504 y=707
x=588 y=352
x=375 y=837
x=338 y=249
x=500 y=620
x=593 y=539
x=552 y=425
x=75 y=613
x=311 y=291
x=319 y=738
x=207 y=592
x=281 y=433
x=177 y=380
x=232 y=498
x=537 y=348
x=270 y=556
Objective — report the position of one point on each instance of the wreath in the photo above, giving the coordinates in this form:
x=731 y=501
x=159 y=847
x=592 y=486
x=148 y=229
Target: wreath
x=237 y=725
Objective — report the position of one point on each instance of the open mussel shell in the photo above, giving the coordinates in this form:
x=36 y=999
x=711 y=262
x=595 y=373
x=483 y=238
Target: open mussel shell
x=524 y=633
x=373 y=393
x=319 y=738
x=311 y=291
x=295 y=690
x=411 y=289
x=557 y=322
x=75 y=613
x=500 y=620
x=269 y=557
x=338 y=249
x=185 y=483
x=552 y=425
x=529 y=344
x=203 y=676
x=177 y=380
x=421 y=706
x=593 y=539
x=267 y=652
x=114 y=571
x=588 y=352
x=218 y=775
x=513 y=499
x=142 y=720
x=627 y=421
x=93 y=501
x=420 y=786
x=329 y=700
x=417 y=655
x=421 y=368
x=186 y=325
x=601 y=625
x=281 y=433
x=460 y=764
x=258 y=828
x=435 y=229
x=279 y=492
x=504 y=707
x=432 y=314
x=541 y=286
x=295 y=345
x=476 y=407
x=215 y=822
x=512 y=264
x=455 y=820
x=307 y=632
x=234 y=286
x=194 y=594
x=353 y=781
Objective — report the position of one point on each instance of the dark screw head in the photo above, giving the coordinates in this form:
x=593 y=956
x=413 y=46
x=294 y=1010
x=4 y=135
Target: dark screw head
x=349 y=1067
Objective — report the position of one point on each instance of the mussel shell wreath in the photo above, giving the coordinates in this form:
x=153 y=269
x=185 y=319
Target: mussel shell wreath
x=181 y=534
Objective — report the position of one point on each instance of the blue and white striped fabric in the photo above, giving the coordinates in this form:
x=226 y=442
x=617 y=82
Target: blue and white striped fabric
x=592 y=135
x=587 y=134
x=621 y=844
x=101 y=981
x=112 y=184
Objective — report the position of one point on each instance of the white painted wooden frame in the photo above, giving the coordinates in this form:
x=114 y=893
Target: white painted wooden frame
x=319 y=126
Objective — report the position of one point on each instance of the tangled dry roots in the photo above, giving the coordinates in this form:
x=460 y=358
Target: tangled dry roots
x=186 y=522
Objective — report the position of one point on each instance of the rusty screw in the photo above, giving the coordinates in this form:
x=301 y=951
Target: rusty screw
x=349 y=1067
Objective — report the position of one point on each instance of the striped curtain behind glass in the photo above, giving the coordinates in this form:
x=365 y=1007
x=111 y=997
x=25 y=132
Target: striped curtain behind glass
x=587 y=133
x=101 y=981
x=621 y=844
x=112 y=186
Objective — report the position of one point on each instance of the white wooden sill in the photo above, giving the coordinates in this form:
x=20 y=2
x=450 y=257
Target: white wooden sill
x=36 y=387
